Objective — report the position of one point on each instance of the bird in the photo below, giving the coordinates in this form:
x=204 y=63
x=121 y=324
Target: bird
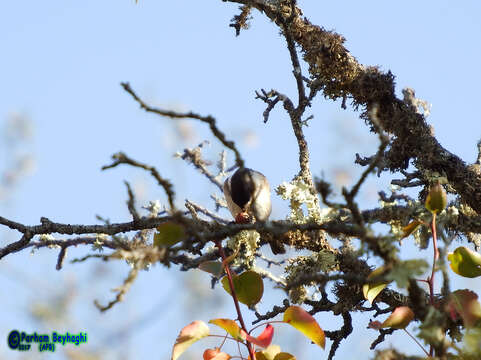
x=248 y=196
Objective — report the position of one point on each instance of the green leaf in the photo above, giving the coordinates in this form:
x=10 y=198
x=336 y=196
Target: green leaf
x=436 y=200
x=168 y=234
x=212 y=267
x=230 y=326
x=465 y=262
x=305 y=323
x=399 y=319
x=189 y=335
x=403 y=271
x=248 y=287
x=372 y=290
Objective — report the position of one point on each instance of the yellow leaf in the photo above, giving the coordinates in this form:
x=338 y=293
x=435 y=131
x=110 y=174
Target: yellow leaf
x=268 y=353
x=284 y=356
x=465 y=262
x=372 y=290
x=230 y=326
x=189 y=335
x=306 y=324
x=410 y=228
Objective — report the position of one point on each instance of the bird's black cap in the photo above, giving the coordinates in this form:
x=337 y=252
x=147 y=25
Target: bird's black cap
x=242 y=186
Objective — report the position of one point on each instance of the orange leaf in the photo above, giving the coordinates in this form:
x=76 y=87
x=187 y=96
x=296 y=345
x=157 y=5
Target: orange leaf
x=400 y=318
x=189 y=335
x=215 y=354
x=230 y=326
x=264 y=339
x=306 y=324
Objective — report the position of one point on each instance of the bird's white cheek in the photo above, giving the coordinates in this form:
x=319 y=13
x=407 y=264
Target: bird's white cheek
x=262 y=205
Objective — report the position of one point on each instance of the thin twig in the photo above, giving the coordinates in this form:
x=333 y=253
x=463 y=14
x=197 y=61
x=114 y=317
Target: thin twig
x=121 y=291
x=131 y=203
x=190 y=115
x=194 y=157
x=121 y=158
x=206 y=212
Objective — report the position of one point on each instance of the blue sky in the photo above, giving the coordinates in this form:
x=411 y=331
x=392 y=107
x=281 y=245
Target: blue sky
x=61 y=67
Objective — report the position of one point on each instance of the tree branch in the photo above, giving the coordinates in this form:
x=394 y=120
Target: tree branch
x=190 y=115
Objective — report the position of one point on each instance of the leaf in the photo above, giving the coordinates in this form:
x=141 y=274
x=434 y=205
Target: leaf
x=465 y=262
x=248 y=287
x=436 y=200
x=465 y=304
x=411 y=227
x=399 y=319
x=230 y=326
x=403 y=271
x=264 y=339
x=168 y=234
x=284 y=356
x=269 y=353
x=212 y=267
x=372 y=290
x=189 y=335
x=215 y=354
x=305 y=323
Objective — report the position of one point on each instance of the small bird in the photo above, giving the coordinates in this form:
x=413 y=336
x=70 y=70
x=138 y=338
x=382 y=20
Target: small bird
x=248 y=196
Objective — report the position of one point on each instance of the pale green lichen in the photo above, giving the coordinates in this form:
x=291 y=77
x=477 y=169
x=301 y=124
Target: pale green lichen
x=246 y=243
x=299 y=194
x=99 y=242
x=48 y=237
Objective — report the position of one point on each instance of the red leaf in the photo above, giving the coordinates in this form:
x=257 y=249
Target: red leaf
x=264 y=339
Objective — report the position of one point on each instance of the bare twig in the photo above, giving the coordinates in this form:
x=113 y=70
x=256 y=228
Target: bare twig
x=121 y=290
x=190 y=115
x=131 y=203
x=206 y=212
x=61 y=257
x=194 y=156
x=121 y=158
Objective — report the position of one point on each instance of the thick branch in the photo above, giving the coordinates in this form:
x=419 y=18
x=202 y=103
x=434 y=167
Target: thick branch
x=339 y=75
